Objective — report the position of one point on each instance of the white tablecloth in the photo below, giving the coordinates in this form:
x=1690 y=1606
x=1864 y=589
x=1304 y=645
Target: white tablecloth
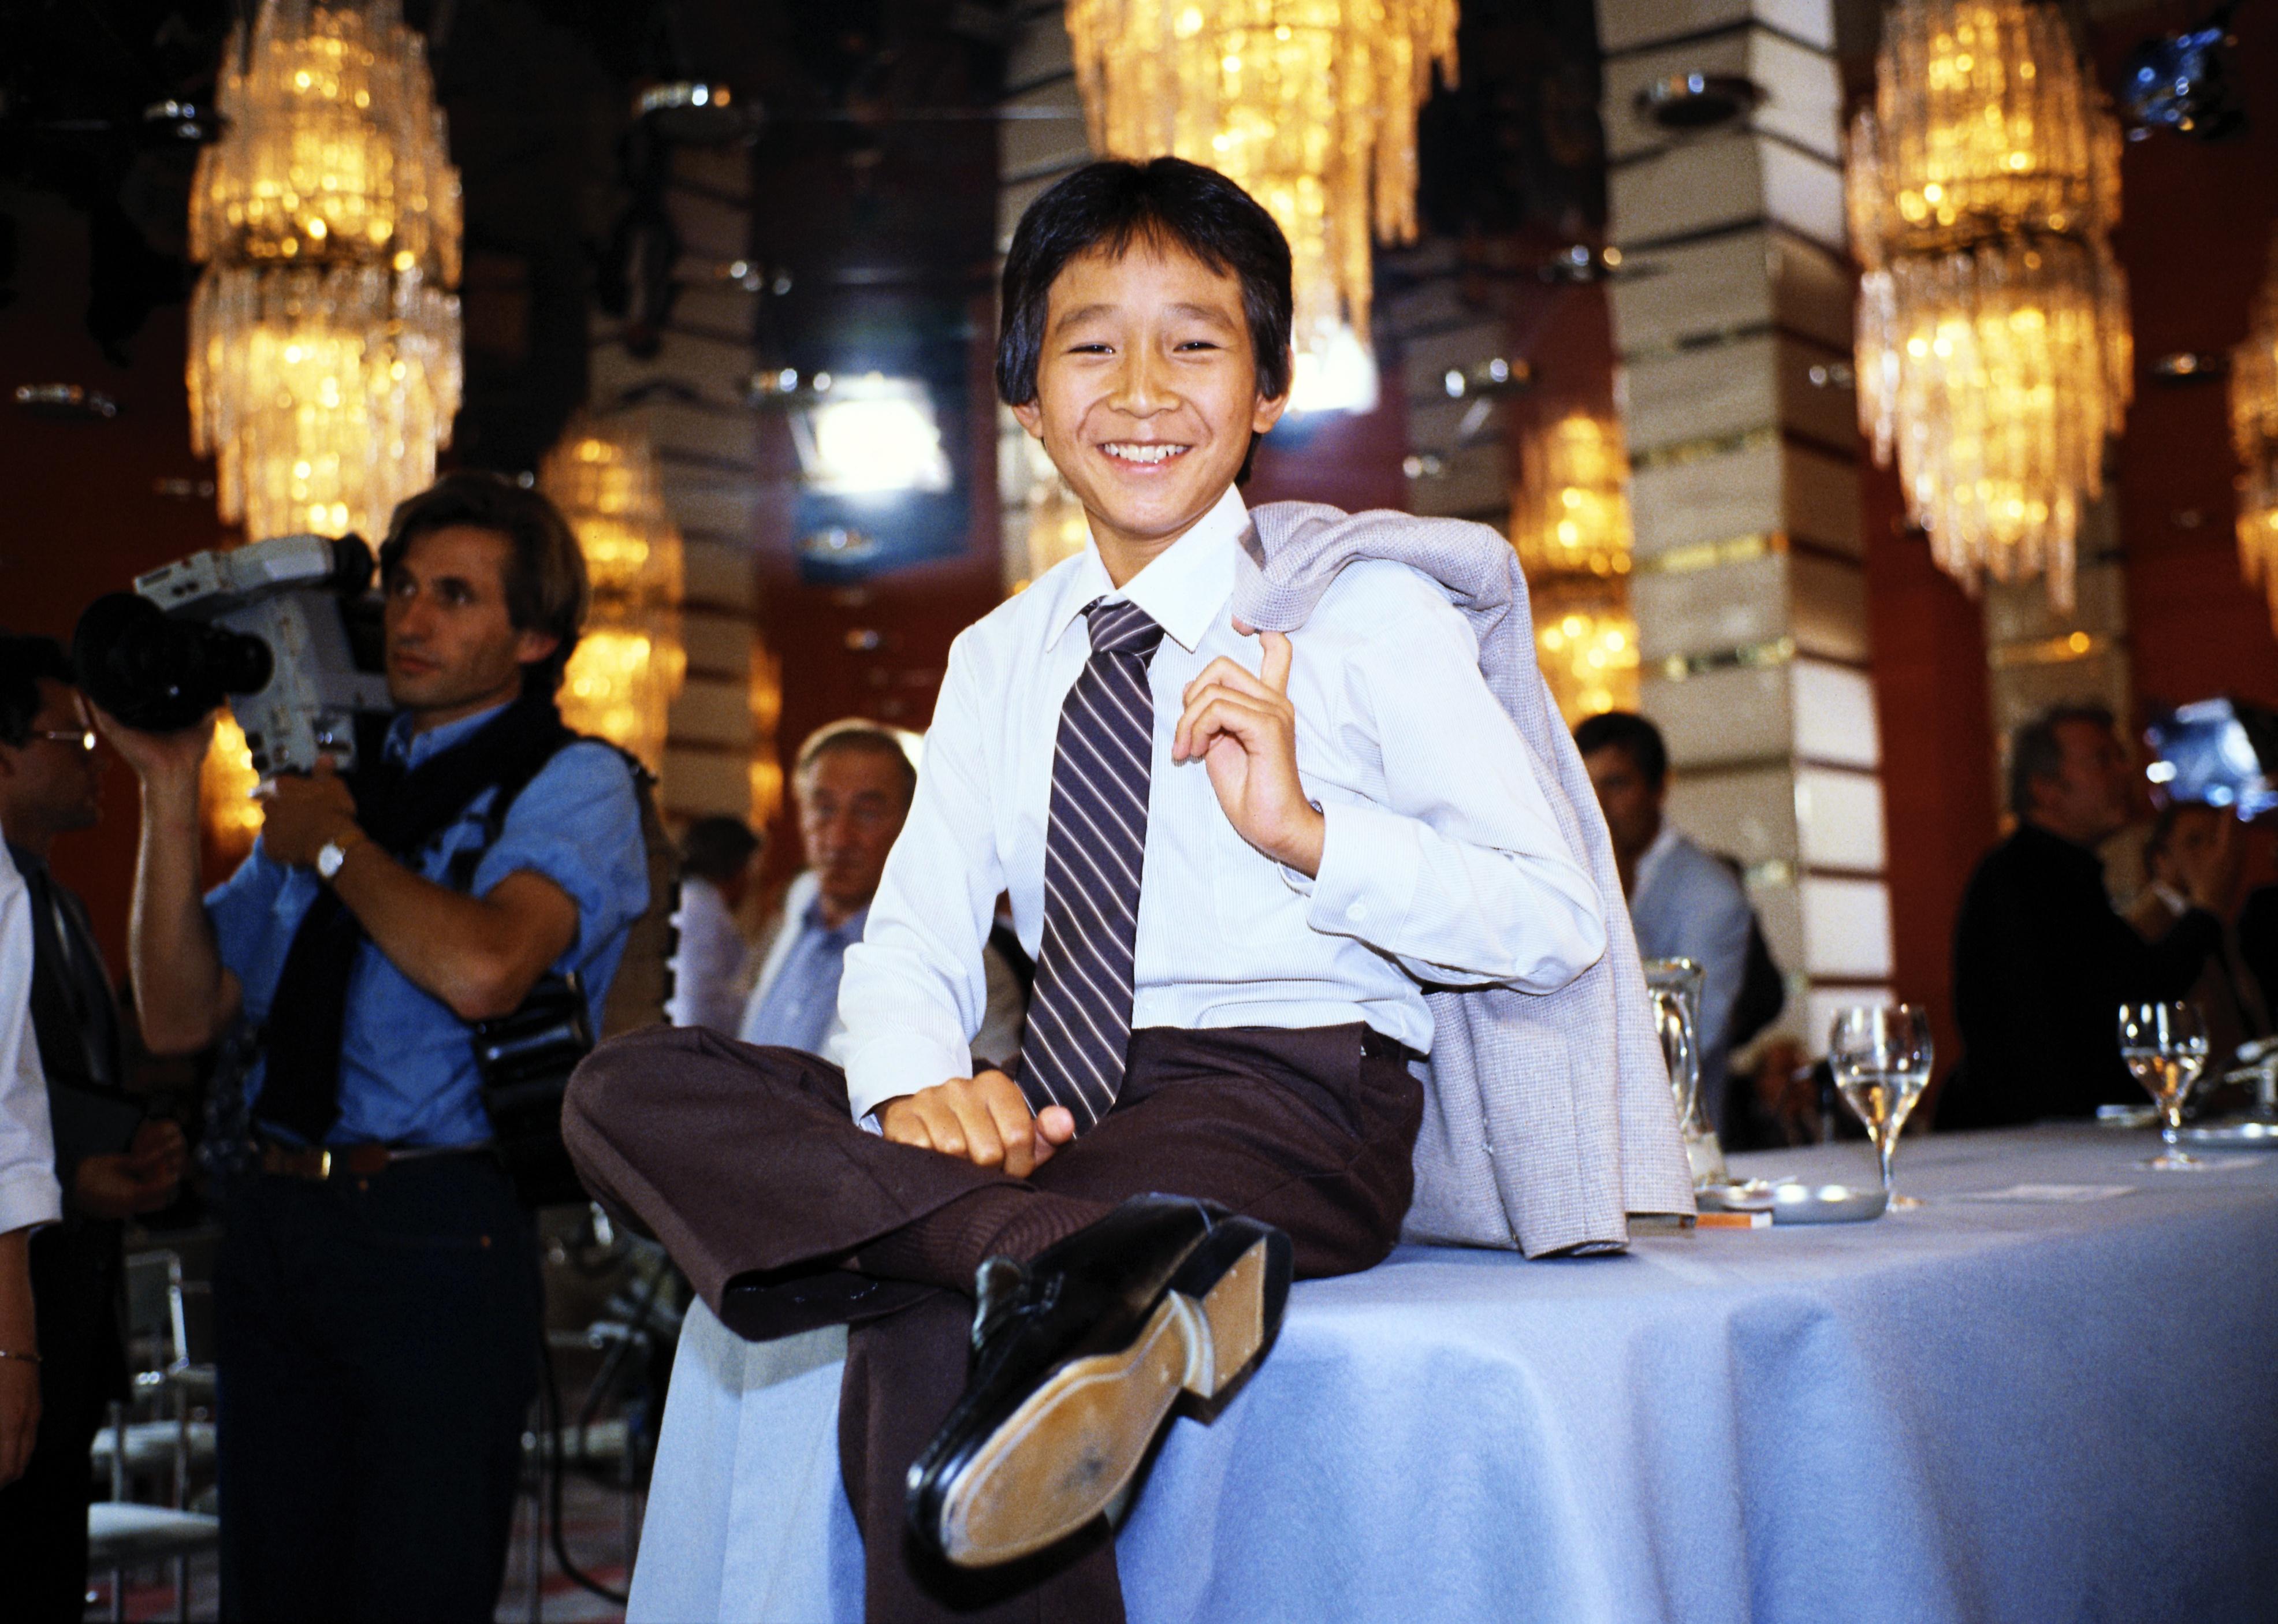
x=1989 y=1409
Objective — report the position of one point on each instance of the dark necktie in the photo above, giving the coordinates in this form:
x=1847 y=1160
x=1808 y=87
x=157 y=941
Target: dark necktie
x=1079 y=1030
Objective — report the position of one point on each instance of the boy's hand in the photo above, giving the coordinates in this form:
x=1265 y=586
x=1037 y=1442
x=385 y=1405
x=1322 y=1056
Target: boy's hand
x=984 y=1119
x=1244 y=730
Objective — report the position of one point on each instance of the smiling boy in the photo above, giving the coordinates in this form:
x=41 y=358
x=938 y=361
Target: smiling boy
x=1237 y=859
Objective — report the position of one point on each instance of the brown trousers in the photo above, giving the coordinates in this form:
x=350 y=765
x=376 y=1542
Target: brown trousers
x=744 y=1163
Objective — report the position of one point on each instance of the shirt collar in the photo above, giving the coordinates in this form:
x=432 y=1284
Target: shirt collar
x=1183 y=590
x=1654 y=856
x=411 y=748
x=850 y=931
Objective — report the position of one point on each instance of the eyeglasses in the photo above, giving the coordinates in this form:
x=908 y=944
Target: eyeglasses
x=83 y=737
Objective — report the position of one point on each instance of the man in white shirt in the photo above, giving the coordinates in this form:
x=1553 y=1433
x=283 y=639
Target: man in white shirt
x=707 y=972
x=29 y=1195
x=1234 y=858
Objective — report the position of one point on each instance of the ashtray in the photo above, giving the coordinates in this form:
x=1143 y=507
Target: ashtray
x=1825 y=1203
x=1742 y=1195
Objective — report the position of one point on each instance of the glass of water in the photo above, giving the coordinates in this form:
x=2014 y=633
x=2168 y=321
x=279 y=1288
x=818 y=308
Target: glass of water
x=2165 y=1047
x=1881 y=1059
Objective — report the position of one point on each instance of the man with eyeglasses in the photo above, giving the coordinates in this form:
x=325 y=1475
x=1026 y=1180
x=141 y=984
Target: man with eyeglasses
x=112 y=1164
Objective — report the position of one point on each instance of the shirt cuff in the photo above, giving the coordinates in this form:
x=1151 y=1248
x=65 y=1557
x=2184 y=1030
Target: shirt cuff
x=886 y=1068
x=1369 y=865
x=29 y=1196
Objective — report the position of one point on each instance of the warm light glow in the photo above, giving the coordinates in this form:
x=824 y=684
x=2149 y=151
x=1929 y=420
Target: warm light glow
x=323 y=357
x=874 y=436
x=1587 y=641
x=2254 y=431
x=1993 y=349
x=1569 y=521
x=1309 y=105
x=225 y=787
x=629 y=663
x=1572 y=514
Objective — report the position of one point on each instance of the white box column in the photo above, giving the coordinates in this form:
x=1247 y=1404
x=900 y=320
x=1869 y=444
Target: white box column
x=1734 y=329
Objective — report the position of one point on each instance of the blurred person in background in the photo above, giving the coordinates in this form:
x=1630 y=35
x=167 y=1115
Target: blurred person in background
x=709 y=975
x=111 y=1162
x=2042 y=962
x=851 y=783
x=1685 y=902
x=29 y=1199
x=2183 y=838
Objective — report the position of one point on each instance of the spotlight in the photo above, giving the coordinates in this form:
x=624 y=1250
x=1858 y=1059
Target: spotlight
x=1339 y=376
x=1693 y=104
x=695 y=112
x=870 y=437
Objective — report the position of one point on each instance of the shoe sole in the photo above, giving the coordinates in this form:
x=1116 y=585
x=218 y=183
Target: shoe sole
x=1062 y=1456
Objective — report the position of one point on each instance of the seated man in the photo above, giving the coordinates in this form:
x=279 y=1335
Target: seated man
x=1233 y=857
x=851 y=783
x=1684 y=903
x=2041 y=962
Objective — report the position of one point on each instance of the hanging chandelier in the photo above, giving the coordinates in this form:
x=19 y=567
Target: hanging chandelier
x=629 y=661
x=1569 y=521
x=323 y=357
x=2254 y=431
x=1994 y=348
x=1310 y=106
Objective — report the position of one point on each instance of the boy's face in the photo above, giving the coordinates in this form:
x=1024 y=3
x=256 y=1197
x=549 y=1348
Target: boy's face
x=1146 y=392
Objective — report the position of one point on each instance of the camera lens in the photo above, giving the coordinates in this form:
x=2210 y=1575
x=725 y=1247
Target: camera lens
x=159 y=674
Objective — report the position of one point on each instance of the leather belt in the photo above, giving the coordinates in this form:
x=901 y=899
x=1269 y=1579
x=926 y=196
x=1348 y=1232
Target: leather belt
x=319 y=1162
x=1377 y=1045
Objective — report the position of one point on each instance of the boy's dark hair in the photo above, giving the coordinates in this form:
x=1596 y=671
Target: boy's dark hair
x=546 y=589
x=1632 y=733
x=2036 y=752
x=24 y=661
x=1108 y=206
x=716 y=849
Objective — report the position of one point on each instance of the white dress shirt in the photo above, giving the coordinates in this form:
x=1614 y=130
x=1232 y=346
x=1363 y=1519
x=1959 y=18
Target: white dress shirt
x=707 y=971
x=1441 y=861
x=29 y=1192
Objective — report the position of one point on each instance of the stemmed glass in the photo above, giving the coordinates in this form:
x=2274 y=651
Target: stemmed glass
x=1881 y=1057
x=2166 y=1046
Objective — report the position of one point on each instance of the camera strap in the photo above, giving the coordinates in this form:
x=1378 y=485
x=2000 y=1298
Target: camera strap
x=402 y=811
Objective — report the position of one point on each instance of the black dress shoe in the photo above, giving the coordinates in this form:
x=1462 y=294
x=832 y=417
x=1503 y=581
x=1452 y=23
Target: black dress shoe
x=1079 y=1356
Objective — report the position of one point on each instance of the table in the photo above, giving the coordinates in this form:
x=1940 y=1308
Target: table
x=1989 y=1409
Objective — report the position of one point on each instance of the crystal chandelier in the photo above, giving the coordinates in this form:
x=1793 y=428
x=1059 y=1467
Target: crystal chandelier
x=629 y=661
x=1310 y=105
x=1993 y=349
x=1569 y=521
x=323 y=358
x=2254 y=431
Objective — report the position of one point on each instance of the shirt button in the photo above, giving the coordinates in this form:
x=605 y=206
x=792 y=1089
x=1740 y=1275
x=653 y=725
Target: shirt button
x=1357 y=913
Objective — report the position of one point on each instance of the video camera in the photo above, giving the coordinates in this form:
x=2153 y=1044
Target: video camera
x=2219 y=752
x=285 y=630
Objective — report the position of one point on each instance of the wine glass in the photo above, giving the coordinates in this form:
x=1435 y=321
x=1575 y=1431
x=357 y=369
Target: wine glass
x=2165 y=1047
x=1881 y=1059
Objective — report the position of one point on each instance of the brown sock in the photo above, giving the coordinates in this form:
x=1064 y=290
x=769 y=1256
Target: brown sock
x=946 y=1246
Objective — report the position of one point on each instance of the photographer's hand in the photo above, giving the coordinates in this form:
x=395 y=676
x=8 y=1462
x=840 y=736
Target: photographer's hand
x=304 y=815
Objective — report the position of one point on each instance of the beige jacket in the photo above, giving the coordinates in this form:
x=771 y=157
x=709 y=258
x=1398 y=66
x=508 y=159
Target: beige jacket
x=1548 y=1117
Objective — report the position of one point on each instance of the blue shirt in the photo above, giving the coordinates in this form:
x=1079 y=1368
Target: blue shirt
x=408 y=1071
x=798 y=1007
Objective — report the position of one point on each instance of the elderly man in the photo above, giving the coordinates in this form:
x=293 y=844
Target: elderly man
x=2041 y=962
x=1683 y=902
x=852 y=783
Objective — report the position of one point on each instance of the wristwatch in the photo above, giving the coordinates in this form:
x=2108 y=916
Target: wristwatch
x=330 y=856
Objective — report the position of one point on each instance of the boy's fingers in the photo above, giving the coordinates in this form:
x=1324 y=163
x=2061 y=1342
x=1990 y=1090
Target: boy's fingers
x=1056 y=1124
x=1275 y=673
x=982 y=1146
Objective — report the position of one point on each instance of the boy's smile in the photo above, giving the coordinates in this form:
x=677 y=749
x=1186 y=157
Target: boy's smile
x=1146 y=396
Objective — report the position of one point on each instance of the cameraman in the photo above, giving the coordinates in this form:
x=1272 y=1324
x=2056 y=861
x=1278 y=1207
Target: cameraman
x=376 y=1294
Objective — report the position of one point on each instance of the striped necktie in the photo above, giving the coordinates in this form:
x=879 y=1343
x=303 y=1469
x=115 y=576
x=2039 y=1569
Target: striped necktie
x=1079 y=1026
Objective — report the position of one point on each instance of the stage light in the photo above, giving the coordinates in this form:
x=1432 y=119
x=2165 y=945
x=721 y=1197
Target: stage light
x=1338 y=374
x=871 y=436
